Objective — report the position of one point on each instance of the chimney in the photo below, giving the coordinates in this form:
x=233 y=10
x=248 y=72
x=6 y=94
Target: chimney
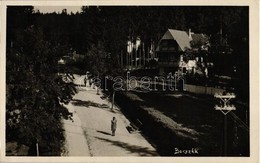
x=190 y=34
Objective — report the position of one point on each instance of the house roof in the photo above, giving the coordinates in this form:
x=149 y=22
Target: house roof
x=181 y=38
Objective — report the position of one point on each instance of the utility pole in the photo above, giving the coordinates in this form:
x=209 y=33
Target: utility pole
x=140 y=64
x=136 y=57
x=225 y=108
x=113 y=100
x=131 y=53
x=127 y=55
x=246 y=117
x=97 y=86
x=37 y=148
x=122 y=60
x=143 y=55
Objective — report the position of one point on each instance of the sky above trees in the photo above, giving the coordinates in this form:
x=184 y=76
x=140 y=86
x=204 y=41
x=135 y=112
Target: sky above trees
x=58 y=9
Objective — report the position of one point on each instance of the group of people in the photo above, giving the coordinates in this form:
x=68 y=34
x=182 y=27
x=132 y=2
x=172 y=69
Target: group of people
x=86 y=80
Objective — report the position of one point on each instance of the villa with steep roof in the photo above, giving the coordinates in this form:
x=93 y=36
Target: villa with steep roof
x=173 y=45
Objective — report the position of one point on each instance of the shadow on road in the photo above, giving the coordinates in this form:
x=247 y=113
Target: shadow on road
x=77 y=102
x=102 y=132
x=87 y=104
x=142 y=151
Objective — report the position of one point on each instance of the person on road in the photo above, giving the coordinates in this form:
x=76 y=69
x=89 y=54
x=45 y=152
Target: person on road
x=85 y=81
x=113 y=126
x=90 y=82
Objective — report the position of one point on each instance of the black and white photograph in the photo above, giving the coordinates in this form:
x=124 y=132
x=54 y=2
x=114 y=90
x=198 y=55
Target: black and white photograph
x=150 y=81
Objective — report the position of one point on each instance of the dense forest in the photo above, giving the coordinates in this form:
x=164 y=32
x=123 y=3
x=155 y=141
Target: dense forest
x=35 y=42
x=110 y=27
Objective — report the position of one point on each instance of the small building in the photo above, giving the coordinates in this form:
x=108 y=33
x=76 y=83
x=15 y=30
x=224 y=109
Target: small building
x=64 y=60
x=173 y=46
x=61 y=61
x=170 y=47
x=77 y=57
x=70 y=58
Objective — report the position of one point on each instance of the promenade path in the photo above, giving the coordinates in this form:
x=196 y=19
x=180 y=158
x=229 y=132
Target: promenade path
x=90 y=134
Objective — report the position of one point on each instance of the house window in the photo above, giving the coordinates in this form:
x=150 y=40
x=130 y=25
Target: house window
x=172 y=45
x=164 y=45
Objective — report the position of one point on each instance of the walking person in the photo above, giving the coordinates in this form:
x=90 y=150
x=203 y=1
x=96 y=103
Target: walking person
x=113 y=126
x=85 y=81
x=90 y=82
